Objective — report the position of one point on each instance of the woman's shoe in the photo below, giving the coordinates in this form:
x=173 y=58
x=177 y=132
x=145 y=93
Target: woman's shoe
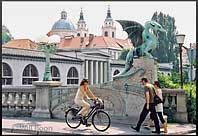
x=165 y=127
x=149 y=124
x=147 y=127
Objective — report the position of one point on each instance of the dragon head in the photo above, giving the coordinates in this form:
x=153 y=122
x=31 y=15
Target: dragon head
x=155 y=26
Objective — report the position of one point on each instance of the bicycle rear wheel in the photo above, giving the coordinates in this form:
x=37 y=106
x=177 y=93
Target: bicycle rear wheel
x=101 y=120
x=70 y=118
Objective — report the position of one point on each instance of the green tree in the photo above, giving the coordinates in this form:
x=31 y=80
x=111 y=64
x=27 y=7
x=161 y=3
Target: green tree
x=173 y=82
x=167 y=50
x=6 y=35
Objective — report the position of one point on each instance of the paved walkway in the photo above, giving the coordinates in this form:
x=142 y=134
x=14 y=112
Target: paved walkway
x=15 y=125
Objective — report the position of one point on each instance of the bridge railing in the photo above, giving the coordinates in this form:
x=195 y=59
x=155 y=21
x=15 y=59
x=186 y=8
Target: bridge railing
x=175 y=104
x=24 y=98
x=18 y=98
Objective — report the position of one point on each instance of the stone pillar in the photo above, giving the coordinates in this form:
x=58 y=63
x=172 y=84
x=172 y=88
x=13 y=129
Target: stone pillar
x=86 y=69
x=91 y=71
x=105 y=72
x=11 y=99
x=109 y=77
x=181 y=113
x=101 y=72
x=43 y=98
x=96 y=65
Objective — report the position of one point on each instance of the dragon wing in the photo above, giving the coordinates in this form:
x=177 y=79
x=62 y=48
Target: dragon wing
x=134 y=31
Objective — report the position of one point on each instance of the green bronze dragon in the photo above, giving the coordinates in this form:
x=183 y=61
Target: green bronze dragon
x=144 y=39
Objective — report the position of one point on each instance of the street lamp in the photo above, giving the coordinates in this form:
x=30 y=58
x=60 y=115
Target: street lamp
x=180 y=41
x=48 y=46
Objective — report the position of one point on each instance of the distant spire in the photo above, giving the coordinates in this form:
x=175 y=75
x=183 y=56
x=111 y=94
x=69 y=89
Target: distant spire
x=81 y=15
x=108 y=12
x=64 y=15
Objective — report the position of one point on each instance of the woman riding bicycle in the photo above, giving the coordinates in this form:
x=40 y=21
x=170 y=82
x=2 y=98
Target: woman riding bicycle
x=83 y=91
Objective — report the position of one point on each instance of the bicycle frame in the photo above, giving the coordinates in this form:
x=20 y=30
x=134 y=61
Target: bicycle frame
x=94 y=109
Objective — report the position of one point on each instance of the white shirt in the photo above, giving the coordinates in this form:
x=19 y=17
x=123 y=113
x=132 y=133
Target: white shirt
x=159 y=107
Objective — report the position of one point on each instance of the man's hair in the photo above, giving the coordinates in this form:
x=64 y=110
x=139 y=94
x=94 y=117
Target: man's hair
x=144 y=79
x=84 y=81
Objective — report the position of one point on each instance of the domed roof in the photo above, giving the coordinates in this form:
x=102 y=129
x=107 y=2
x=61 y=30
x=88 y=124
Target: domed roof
x=63 y=23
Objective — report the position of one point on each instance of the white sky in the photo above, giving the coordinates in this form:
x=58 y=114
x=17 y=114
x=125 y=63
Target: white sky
x=34 y=19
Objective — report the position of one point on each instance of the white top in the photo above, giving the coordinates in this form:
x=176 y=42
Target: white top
x=80 y=95
x=159 y=107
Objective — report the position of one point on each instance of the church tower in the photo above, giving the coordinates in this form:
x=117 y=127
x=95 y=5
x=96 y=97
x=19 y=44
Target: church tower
x=108 y=29
x=82 y=30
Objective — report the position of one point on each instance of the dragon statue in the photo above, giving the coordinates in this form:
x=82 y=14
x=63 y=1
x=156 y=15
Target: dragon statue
x=144 y=39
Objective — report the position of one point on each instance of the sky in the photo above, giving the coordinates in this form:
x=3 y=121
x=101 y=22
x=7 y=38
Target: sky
x=34 y=19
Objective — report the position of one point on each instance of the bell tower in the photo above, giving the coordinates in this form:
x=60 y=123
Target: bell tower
x=108 y=29
x=82 y=29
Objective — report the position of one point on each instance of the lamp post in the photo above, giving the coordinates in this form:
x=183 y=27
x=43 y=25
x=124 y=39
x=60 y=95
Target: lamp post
x=191 y=56
x=180 y=41
x=48 y=46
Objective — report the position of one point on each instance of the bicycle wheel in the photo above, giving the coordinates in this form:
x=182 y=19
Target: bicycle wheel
x=70 y=118
x=101 y=120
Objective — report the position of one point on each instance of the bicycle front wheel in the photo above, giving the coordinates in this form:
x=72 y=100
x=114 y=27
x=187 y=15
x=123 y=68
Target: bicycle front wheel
x=101 y=120
x=70 y=118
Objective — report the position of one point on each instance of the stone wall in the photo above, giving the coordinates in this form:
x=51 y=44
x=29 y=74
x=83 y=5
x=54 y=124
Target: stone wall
x=124 y=97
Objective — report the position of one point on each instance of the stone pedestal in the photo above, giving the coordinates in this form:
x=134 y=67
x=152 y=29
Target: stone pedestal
x=43 y=95
x=150 y=67
x=142 y=67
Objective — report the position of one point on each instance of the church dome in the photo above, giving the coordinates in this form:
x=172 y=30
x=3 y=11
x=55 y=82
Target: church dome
x=63 y=23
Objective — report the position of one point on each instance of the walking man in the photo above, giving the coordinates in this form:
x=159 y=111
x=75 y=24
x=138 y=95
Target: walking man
x=149 y=106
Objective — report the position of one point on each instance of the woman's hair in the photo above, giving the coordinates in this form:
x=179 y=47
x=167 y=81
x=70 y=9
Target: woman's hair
x=157 y=83
x=84 y=81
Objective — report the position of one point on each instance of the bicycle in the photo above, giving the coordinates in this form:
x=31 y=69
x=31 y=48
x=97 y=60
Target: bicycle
x=100 y=119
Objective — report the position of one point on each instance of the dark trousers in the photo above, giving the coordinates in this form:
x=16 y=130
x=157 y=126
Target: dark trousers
x=160 y=117
x=145 y=112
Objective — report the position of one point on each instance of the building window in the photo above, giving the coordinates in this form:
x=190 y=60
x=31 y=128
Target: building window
x=55 y=73
x=7 y=74
x=106 y=33
x=72 y=76
x=116 y=72
x=113 y=35
x=30 y=74
x=78 y=34
x=85 y=35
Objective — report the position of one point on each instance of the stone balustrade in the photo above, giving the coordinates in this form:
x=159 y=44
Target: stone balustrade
x=24 y=98
x=175 y=104
x=18 y=98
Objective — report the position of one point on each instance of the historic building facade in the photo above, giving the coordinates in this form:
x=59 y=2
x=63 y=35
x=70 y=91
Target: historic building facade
x=79 y=55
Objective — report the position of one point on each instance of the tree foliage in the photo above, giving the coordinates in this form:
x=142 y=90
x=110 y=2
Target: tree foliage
x=6 y=35
x=173 y=82
x=167 y=50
